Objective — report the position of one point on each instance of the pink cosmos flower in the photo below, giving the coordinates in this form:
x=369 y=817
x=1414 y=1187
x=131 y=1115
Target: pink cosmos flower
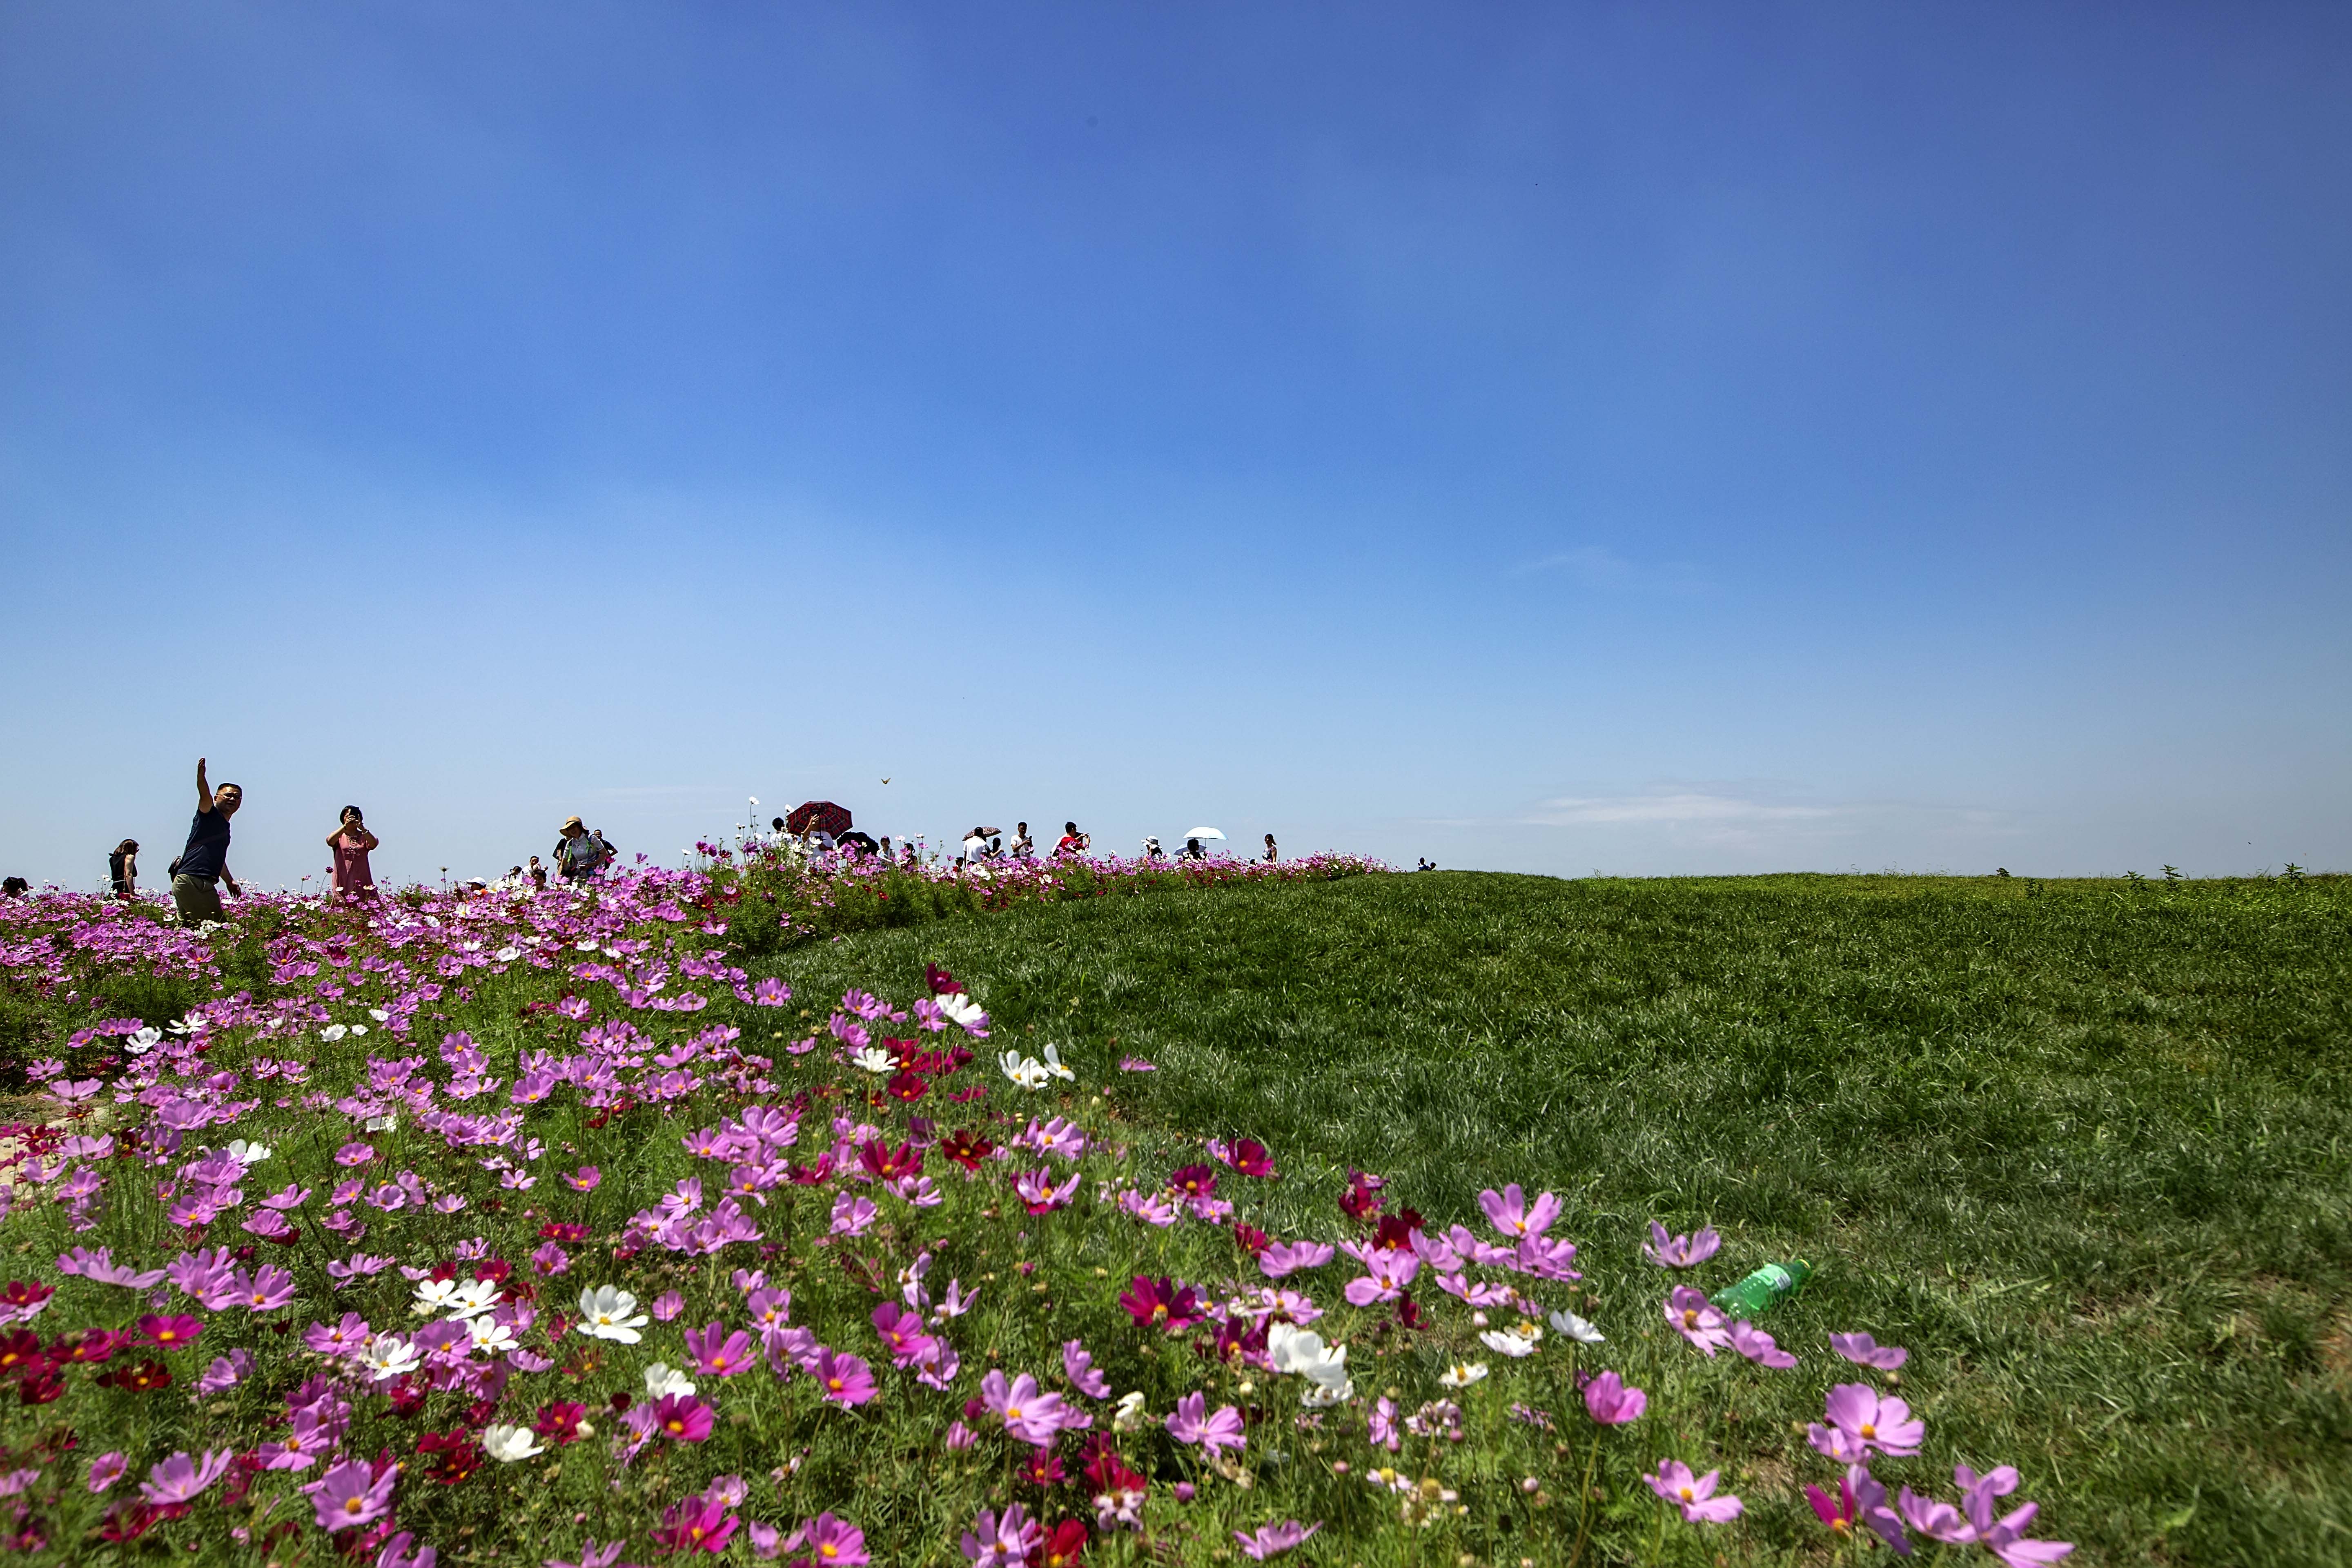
x=1508 y=1213
x=1757 y=1346
x=107 y=1469
x=227 y=1371
x=960 y=1436
x=396 y=1553
x=1288 y=1257
x=351 y=1495
x=549 y=1259
x=1861 y=1501
x=682 y=1419
x=1036 y=1189
x=181 y=1480
x=851 y=1215
x=1863 y=1351
x=1003 y=1541
x=1189 y=1425
x=1383 y=1429
x=1691 y=1315
x=1681 y=1251
x=1613 y=1404
x=1078 y=1366
x=584 y=1180
x=2005 y=1537
x=1273 y=1539
x=591 y=1555
x=99 y=1267
x=1862 y=1424
x=169 y=1333
x=1694 y=1495
x=1029 y=1415
x=1936 y=1520
x=830 y=1543
x=668 y=1305
x=720 y=1353
x=843 y=1379
x=1386 y=1275
x=266 y=1290
x=1135 y=1064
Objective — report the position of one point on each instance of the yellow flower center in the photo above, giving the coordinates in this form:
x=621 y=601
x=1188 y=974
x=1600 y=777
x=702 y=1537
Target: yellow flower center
x=1686 y=1494
x=1013 y=1413
x=834 y=1384
x=829 y=1549
x=1870 y=1430
x=1690 y=1316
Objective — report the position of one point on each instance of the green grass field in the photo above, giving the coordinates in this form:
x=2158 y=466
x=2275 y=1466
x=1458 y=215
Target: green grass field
x=2085 y=1148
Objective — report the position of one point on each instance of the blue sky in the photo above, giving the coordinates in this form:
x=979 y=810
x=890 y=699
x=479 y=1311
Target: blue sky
x=1556 y=439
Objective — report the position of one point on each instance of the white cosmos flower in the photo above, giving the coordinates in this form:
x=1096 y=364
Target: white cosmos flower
x=661 y=1380
x=1463 y=1373
x=1323 y=1395
x=380 y=1016
x=383 y=1123
x=1130 y=1413
x=1026 y=1072
x=145 y=1040
x=875 y=1059
x=508 y=1444
x=474 y=1297
x=333 y=1033
x=1515 y=1341
x=607 y=1310
x=1054 y=1064
x=490 y=1336
x=248 y=1153
x=1576 y=1328
x=507 y=954
x=962 y=1009
x=434 y=1296
x=390 y=1356
x=358 y=1029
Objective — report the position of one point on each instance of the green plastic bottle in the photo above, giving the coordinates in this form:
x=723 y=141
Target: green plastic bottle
x=1768 y=1286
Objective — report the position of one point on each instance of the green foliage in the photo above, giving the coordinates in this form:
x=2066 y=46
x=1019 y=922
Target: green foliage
x=2089 y=1154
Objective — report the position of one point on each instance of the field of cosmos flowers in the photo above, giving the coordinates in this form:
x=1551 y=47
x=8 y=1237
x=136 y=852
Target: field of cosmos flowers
x=489 y=1224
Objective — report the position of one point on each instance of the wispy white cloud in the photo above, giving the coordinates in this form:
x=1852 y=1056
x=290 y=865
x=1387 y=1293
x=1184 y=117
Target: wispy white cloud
x=1735 y=816
x=1602 y=570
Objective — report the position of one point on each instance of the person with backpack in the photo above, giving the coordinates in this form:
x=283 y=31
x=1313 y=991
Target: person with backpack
x=204 y=863
x=123 y=869
x=579 y=855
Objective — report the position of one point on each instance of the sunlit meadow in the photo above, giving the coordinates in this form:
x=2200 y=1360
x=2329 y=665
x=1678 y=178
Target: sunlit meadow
x=499 y=1225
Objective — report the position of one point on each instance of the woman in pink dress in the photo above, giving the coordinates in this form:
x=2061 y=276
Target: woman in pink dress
x=350 y=841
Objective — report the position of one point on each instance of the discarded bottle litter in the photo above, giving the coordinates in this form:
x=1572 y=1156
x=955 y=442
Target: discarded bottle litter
x=1767 y=1286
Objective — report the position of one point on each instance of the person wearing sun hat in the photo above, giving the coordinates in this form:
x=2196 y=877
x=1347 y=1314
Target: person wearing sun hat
x=578 y=855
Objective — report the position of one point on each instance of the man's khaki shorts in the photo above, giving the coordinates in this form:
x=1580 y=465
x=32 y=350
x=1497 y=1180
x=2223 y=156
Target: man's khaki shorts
x=198 y=899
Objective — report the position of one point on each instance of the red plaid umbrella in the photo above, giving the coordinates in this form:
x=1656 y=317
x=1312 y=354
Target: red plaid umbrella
x=822 y=814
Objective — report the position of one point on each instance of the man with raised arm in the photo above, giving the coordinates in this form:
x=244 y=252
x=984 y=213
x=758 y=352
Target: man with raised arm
x=204 y=862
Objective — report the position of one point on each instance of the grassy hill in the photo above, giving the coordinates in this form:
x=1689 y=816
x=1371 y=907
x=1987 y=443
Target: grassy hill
x=2088 y=1144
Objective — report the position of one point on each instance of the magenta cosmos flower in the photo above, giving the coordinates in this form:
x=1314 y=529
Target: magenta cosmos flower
x=696 y=1524
x=1861 y=1501
x=843 y=1378
x=720 y=1353
x=1680 y=1251
x=1694 y=1317
x=1613 y=1404
x=682 y=1417
x=350 y=1494
x=107 y=1469
x=169 y=1333
x=1862 y=1424
x=830 y=1543
x=1694 y=1495
x=1758 y=1346
x=1161 y=1302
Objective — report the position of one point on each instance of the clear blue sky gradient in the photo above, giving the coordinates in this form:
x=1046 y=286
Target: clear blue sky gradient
x=1634 y=438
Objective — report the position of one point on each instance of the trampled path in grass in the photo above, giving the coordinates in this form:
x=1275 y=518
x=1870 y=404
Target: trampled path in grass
x=2087 y=1147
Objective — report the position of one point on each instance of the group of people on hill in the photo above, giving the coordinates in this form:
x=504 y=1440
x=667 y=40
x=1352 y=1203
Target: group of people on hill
x=581 y=854
x=201 y=869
